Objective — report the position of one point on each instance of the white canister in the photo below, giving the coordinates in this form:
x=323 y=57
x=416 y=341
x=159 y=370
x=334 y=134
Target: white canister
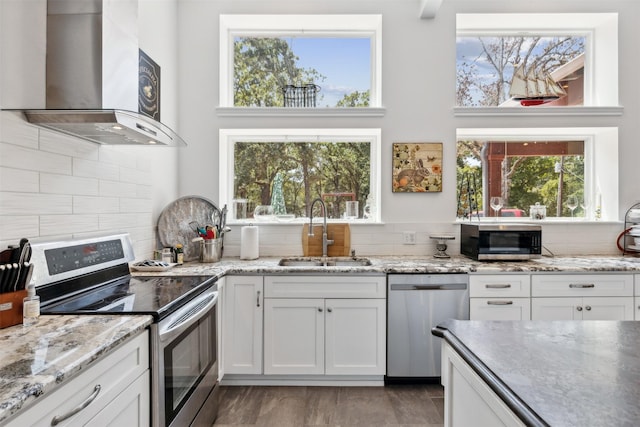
x=249 y=242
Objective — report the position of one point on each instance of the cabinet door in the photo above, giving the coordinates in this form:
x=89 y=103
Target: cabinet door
x=130 y=408
x=355 y=337
x=242 y=325
x=611 y=308
x=556 y=309
x=499 y=309
x=294 y=336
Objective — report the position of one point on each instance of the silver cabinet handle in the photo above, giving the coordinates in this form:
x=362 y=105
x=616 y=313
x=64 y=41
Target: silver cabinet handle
x=497 y=286
x=582 y=285
x=579 y=308
x=588 y=308
x=60 y=418
x=499 y=302
x=329 y=310
x=258 y=300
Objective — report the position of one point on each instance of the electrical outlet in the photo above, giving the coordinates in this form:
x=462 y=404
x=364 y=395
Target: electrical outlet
x=409 y=237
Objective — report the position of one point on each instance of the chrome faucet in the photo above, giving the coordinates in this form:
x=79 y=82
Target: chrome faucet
x=325 y=241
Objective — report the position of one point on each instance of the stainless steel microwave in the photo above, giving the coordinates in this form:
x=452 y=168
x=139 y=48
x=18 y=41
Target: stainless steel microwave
x=506 y=242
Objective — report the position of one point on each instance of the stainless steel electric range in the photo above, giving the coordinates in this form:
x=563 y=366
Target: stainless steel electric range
x=91 y=276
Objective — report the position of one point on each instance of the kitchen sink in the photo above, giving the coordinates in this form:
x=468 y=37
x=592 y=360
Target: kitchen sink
x=324 y=262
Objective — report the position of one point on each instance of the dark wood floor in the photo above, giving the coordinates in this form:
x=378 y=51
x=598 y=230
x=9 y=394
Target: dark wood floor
x=395 y=405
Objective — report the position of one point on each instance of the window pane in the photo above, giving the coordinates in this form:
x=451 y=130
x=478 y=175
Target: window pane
x=301 y=172
x=523 y=70
x=523 y=174
x=302 y=71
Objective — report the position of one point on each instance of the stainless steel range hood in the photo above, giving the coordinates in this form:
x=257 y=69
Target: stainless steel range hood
x=93 y=76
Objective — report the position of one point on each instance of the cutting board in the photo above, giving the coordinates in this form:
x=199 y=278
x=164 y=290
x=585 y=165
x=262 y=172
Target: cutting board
x=339 y=233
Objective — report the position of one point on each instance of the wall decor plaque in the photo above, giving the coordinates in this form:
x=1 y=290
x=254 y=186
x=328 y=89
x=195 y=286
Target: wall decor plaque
x=148 y=86
x=417 y=167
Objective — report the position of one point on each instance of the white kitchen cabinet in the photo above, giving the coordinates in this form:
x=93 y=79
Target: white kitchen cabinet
x=355 y=341
x=582 y=308
x=294 y=336
x=500 y=297
x=582 y=297
x=468 y=400
x=242 y=325
x=333 y=333
x=116 y=387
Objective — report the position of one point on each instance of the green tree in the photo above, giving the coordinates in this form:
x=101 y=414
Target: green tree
x=355 y=99
x=262 y=67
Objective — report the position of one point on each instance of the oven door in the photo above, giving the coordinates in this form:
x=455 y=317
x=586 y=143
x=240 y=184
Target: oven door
x=186 y=371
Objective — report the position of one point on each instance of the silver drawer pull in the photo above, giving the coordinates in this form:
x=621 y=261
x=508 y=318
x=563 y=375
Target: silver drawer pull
x=499 y=302
x=60 y=418
x=497 y=286
x=582 y=285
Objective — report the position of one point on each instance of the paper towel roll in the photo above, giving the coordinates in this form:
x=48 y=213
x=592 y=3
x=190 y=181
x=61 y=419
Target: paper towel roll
x=249 y=242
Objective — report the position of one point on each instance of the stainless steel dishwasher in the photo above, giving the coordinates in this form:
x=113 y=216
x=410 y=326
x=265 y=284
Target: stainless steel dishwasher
x=417 y=303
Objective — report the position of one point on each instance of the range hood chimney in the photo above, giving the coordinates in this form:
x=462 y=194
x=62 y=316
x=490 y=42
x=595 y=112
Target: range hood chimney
x=95 y=88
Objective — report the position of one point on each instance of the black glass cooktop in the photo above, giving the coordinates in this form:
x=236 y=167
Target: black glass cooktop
x=157 y=296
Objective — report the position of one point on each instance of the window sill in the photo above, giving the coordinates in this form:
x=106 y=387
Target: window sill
x=300 y=112
x=536 y=111
x=304 y=220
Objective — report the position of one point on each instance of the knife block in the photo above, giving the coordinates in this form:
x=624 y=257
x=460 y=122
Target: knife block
x=11 y=308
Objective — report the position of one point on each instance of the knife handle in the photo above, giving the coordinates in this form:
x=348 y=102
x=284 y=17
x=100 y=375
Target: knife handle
x=24 y=276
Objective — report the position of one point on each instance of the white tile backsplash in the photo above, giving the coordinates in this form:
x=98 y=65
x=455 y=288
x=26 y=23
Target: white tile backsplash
x=15 y=227
x=118 y=189
x=92 y=204
x=52 y=225
x=19 y=157
x=34 y=204
x=95 y=169
x=57 y=187
x=67 y=184
x=19 y=180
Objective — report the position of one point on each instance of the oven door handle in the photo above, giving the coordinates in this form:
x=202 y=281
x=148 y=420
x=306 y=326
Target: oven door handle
x=187 y=316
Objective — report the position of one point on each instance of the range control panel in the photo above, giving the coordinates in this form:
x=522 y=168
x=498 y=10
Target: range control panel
x=70 y=258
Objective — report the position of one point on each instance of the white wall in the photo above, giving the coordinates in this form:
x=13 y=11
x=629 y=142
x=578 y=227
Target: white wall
x=58 y=187
x=418 y=92
x=52 y=186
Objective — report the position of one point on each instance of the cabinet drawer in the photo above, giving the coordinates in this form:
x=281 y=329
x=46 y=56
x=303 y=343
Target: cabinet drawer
x=637 y=285
x=500 y=309
x=571 y=285
x=113 y=373
x=500 y=285
x=325 y=286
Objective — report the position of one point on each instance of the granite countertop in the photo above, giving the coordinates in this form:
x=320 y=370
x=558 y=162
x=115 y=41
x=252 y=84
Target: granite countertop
x=35 y=360
x=557 y=373
x=410 y=264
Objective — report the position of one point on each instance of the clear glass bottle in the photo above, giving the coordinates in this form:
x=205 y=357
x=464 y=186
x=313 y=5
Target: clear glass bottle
x=30 y=307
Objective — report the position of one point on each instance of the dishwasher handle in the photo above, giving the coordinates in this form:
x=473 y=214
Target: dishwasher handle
x=429 y=287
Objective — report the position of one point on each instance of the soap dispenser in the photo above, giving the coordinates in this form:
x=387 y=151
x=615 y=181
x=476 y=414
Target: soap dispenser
x=30 y=306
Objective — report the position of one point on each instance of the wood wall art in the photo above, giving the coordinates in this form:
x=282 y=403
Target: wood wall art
x=417 y=167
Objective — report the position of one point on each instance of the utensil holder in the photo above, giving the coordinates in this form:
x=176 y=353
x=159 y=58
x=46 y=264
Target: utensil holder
x=11 y=308
x=210 y=250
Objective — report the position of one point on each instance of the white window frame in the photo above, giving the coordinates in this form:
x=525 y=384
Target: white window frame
x=600 y=158
x=228 y=138
x=601 y=48
x=232 y=26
